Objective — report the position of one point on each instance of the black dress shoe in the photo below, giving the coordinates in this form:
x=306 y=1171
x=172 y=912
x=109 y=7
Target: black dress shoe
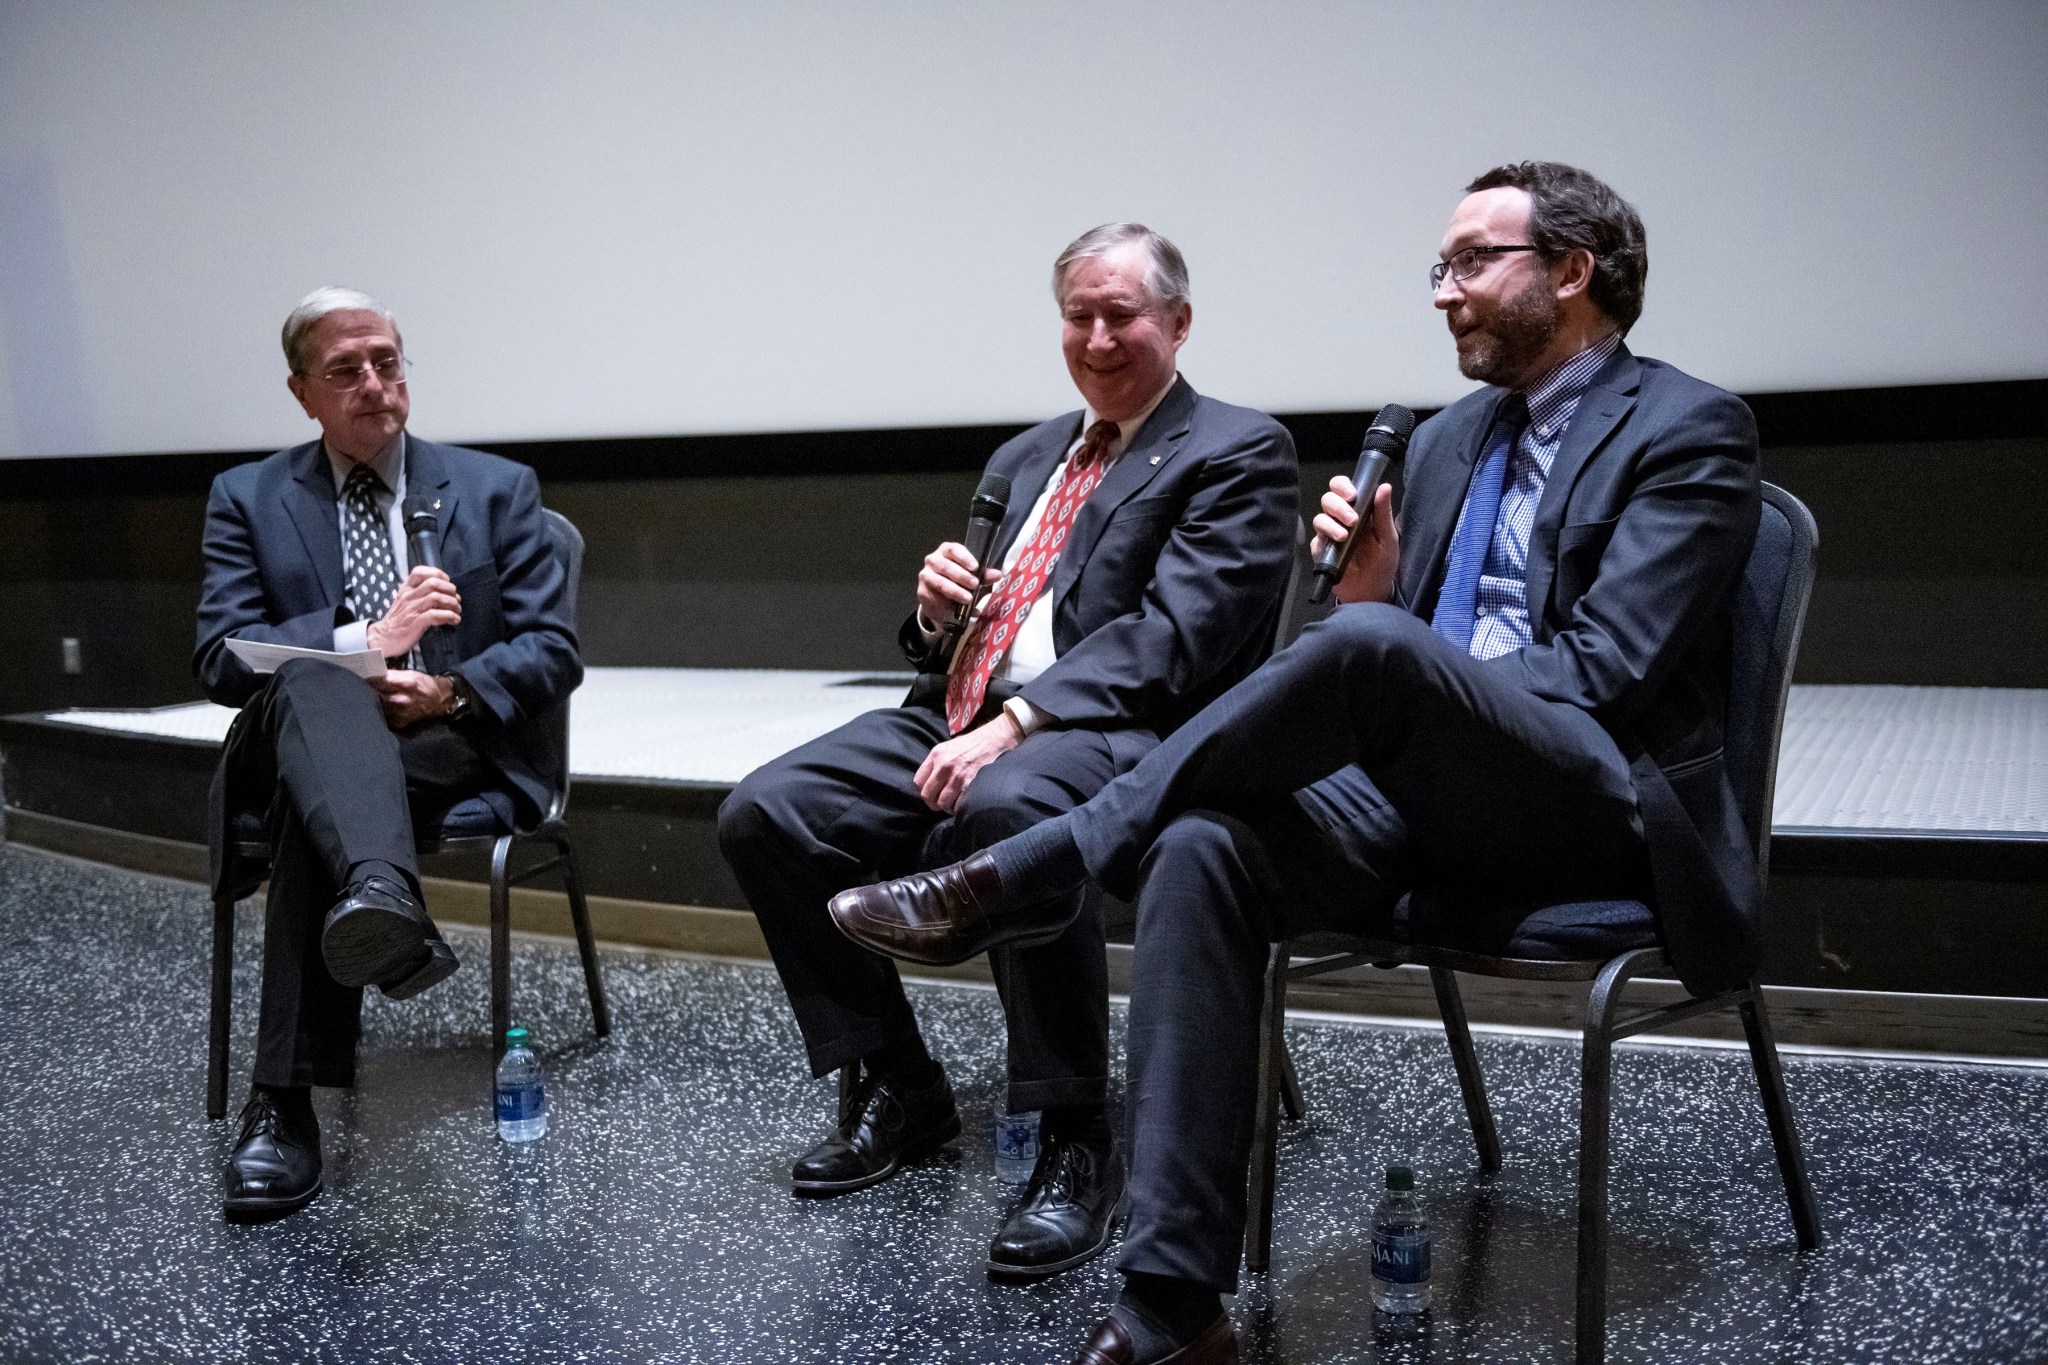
x=375 y=933
x=435 y=964
x=946 y=915
x=1067 y=1215
x=1110 y=1344
x=882 y=1126
x=274 y=1169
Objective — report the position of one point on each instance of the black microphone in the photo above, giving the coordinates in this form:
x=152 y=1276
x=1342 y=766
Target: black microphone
x=1385 y=443
x=423 y=547
x=984 y=518
x=422 y=533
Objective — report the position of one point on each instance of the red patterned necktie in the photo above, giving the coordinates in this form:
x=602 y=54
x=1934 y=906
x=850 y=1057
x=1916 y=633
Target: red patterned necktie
x=988 y=641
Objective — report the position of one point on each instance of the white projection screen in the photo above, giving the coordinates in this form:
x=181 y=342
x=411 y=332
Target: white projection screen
x=664 y=218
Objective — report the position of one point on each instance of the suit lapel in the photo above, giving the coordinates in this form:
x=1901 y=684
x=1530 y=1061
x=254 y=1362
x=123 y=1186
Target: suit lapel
x=1432 y=496
x=1147 y=454
x=426 y=475
x=316 y=512
x=1607 y=400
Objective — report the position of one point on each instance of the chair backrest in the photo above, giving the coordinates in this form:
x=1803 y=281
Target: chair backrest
x=1295 y=611
x=555 y=724
x=1770 y=612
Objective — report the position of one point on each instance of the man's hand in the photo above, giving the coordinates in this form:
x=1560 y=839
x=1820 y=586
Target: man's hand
x=410 y=697
x=426 y=599
x=946 y=581
x=1369 y=573
x=947 y=770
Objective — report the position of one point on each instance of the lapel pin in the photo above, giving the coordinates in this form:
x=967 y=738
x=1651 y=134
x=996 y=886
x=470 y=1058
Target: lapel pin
x=1155 y=459
x=437 y=504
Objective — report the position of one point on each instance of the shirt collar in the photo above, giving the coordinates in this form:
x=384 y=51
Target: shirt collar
x=389 y=465
x=1125 y=430
x=1555 y=394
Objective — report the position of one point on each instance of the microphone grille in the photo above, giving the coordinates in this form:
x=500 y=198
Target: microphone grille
x=995 y=490
x=1396 y=419
x=418 y=508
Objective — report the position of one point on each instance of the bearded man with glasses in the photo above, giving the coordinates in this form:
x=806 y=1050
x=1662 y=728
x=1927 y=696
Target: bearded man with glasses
x=308 y=548
x=1528 y=671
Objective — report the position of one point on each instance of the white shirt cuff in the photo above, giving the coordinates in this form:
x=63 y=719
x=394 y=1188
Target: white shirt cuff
x=352 y=638
x=1028 y=717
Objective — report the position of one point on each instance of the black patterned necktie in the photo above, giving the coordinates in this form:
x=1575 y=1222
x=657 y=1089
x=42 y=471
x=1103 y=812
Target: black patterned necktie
x=367 y=568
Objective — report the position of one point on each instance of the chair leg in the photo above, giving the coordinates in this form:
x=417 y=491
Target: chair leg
x=586 y=941
x=1459 y=1034
x=1595 y=1101
x=1770 y=1080
x=1258 y=1228
x=221 y=1007
x=501 y=947
x=1291 y=1102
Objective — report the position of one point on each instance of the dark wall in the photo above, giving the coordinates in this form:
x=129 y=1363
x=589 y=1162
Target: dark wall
x=772 y=552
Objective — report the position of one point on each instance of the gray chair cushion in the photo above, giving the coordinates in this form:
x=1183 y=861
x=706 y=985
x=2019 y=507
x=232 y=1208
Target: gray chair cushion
x=1564 y=932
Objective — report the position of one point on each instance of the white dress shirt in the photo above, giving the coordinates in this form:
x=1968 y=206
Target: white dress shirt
x=389 y=465
x=1033 y=651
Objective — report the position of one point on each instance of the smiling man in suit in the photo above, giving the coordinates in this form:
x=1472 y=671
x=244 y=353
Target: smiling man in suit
x=307 y=548
x=1520 y=704
x=1137 y=575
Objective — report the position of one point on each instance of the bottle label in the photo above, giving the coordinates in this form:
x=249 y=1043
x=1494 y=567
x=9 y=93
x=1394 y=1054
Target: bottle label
x=517 y=1104
x=1400 y=1257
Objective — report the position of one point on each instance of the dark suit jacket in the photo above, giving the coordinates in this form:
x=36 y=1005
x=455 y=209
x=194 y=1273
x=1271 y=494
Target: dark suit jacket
x=1643 y=530
x=273 y=573
x=1169 y=585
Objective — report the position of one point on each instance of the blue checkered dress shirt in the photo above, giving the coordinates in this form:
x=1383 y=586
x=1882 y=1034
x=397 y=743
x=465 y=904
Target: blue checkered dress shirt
x=1503 y=599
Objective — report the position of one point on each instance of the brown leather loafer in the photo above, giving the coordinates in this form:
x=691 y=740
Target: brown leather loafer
x=1110 y=1344
x=946 y=915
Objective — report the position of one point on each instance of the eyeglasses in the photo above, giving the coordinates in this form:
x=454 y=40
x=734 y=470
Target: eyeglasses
x=389 y=369
x=1463 y=265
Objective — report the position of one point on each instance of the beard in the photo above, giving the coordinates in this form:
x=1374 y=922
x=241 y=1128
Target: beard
x=1521 y=330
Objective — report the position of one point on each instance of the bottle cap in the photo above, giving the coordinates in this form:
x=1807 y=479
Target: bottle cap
x=1400 y=1178
x=516 y=1036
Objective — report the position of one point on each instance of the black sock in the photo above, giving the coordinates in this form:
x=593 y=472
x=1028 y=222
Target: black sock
x=294 y=1105
x=390 y=872
x=905 y=1063
x=1087 y=1124
x=1172 y=1311
x=1040 y=863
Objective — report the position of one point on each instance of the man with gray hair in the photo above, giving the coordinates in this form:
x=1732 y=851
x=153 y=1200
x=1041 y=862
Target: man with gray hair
x=1136 y=575
x=308 y=548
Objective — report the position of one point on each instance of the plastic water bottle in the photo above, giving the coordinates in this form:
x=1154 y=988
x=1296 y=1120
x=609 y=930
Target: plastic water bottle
x=522 y=1100
x=1016 y=1147
x=1400 y=1247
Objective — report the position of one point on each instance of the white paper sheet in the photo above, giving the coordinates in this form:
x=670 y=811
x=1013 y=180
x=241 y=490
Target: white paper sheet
x=266 y=658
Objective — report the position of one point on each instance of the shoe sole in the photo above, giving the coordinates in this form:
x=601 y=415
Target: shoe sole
x=440 y=965
x=267 y=1210
x=942 y=1135
x=370 y=943
x=1004 y=1270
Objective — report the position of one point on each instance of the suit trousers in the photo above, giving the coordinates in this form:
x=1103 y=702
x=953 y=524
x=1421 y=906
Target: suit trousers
x=1368 y=758
x=842 y=811
x=343 y=789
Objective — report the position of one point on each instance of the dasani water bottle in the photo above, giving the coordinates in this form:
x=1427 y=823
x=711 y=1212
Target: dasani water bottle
x=1400 y=1247
x=522 y=1101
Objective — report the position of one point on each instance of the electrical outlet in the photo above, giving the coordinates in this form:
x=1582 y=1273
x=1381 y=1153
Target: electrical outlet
x=74 y=657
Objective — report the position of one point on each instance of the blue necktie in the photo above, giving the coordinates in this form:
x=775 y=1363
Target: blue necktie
x=1455 y=617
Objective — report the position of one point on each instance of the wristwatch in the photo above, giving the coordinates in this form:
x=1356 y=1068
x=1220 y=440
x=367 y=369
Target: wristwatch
x=461 y=699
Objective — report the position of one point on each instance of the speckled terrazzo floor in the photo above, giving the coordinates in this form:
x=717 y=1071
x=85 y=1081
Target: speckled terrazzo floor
x=654 y=1222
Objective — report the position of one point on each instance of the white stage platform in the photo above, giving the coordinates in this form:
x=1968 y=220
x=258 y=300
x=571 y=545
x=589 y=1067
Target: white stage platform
x=1881 y=759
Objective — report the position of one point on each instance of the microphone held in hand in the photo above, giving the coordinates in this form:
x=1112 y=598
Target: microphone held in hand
x=423 y=547
x=984 y=518
x=422 y=533
x=1386 y=442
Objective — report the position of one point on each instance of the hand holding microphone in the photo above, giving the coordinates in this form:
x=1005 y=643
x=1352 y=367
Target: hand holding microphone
x=955 y=575
x=1386 y=442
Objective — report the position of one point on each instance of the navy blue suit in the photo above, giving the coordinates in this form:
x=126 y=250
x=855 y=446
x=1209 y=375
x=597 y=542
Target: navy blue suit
x=1166 y=593
x=1371 y=757
x=311 y=748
